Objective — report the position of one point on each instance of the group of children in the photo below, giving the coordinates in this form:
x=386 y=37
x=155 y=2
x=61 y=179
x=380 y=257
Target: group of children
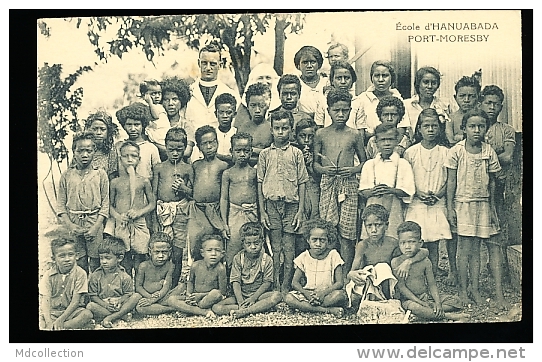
x=284 y=187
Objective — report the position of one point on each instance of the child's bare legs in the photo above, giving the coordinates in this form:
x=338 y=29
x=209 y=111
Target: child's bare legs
x=265 y=302
x=495 y=263
x=210 y=299
x=177 y=260
x=451 y=249
x=275 y=237
x=100 y=312
x=428 y=312
x=226 y=306
x=288 y=247
x=474 y=270
x=203 y=307
x=154 y=309
x=432 y=247
x=348 y=248
x=79 y=321
x=307 y=307
x=463 y=251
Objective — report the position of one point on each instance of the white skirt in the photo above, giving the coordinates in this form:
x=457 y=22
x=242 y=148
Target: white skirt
x=432 y=219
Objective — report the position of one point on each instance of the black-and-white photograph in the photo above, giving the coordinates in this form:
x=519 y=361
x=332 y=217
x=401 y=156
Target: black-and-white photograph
x=280 y=169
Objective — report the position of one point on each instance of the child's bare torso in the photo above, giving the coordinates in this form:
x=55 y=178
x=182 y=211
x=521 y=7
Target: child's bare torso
x=123 y=193
x=261 y=133
x=338 y=146
x=243 y=185
x=154 y=277
x=205 y=278
x=379 y=253
x=207 y=179
x=416 y=280
x=167 y=173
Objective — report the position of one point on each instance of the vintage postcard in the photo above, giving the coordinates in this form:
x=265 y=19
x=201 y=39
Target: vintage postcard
x=280 y=169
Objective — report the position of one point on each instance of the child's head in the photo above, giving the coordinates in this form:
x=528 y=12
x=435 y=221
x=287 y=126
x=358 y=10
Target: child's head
x=337 y=52
x=101 y=124
x=426 y=82
x=305 y=129
x=467 y=91
x=241 y=148
x=258 y=98
x=212 y=248
x=339 y=104
x=308 y=60
x=320 y=235
x=409 y=234
x=375 y=218
x=387 y=138
x=64 y=254
x=429 y=128
x=129 y=154
x=160 y=246
x=289 y=88
x=252 y=237
x=383 y=75
x=475 y=124
x=134 y=119
x=282 y=123
x=175 y=95
x=491 y=100
x=153 y=88
x=209 y=62
x=342 y=75
x=175 y=143
x=83 y=147
x=390 y=110
x=207 y=140
x=225 y=106
x=111 y=251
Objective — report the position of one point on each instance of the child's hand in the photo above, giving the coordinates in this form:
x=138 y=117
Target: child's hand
x=329 y=170
x=313 y=300
x=355 y=276
x=265 y=220
x=92 y=231
x=437 y=309
x=156 y=295
x=298 y=219
x=319 y=295
x=148 y=99
x=380 y=190
x=132 y=214
x=346 y=171
x=247 y=302
x=112 y=307
x=191 y=300
x=178 y=185
x=226 y=232
x=58 y=325
x=145 y=302
x=452 y=217
x=404 y=268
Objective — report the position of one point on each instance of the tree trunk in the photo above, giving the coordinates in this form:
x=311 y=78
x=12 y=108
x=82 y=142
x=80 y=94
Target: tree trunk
x=280 y=38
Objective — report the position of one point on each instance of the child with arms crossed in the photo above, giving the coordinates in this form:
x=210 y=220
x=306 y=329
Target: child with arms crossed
x=418 y=290
x=322 y=268
x=111 y=290
x=251 y=277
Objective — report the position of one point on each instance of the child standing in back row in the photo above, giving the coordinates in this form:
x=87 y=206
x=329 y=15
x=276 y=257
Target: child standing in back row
x=467 y=92
x=472 y=168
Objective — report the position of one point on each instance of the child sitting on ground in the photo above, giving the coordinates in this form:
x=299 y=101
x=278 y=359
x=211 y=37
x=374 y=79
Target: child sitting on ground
x=375 y=249
x=172 y=185
x=387 y=179
x=135 y=119
x=282 y=176
x=251 y=277
x=418 y=289
x=322 y=268
x=207 y=282
x=390 y=110
x=239 y=194
x=205 y=216
x=111 y=290
x=62 y=289
x=153 y=278
x=83 y=201
x=225 y=106
x=132 y=199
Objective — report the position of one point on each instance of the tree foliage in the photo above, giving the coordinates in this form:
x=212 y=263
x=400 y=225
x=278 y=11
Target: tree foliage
x=234 y=32
x=57 y=109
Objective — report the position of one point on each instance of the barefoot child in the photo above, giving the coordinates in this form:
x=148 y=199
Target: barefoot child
x=83 y=201
x=282 y=177
x=204 y=211
x=238 y=196
x=172 y=184
x=334 y=150
x=467 y=92
x=322 y=268
x=131 y=199
x=206 y=285
x=387 y=179
x=472 y=168
x=375 y=249
x=251 y=277
x=418 y=290
x=428 y=207
x=111 y=290
x=153 y=278
x=135 y=119
x=62 y=289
